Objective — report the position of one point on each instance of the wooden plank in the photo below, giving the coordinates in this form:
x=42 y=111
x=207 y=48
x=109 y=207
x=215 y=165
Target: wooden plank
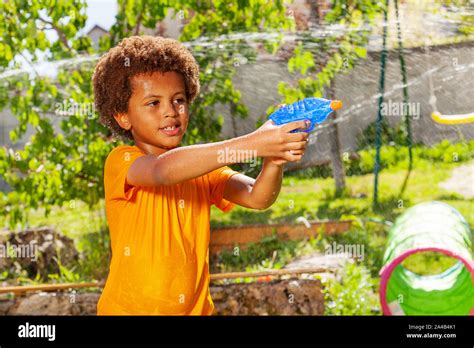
x=217 y=276
x=47 y=287
x=228 y=237
x=270 y=273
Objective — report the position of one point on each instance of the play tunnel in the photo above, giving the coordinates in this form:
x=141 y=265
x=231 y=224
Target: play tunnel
x=428 y=227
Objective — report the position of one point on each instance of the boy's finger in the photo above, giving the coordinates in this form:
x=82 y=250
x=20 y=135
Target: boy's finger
x=296 y=137
x=299 y=145
x=267 y=124
x=303 y=124
x=290 y=157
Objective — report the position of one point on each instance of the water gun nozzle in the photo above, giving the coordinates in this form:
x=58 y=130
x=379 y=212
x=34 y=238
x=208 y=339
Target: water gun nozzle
x=336 y=105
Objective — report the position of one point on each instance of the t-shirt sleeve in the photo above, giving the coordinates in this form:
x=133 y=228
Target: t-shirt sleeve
x=217 y=180
x=116 y=168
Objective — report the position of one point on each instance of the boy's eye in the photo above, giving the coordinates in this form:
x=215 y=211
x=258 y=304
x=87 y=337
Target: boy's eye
x=153 y=103
x=180 y=100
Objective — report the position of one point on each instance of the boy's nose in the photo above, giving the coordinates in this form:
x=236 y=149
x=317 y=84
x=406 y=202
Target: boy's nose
x=170 y=110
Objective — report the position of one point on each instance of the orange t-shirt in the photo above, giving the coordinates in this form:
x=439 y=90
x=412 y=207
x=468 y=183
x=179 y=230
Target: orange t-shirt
x=160 y=241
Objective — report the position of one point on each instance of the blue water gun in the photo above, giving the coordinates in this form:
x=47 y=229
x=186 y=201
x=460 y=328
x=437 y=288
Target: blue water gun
x=315 y=110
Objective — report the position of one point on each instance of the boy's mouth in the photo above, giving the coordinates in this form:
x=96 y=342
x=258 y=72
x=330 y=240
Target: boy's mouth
x=171 y=130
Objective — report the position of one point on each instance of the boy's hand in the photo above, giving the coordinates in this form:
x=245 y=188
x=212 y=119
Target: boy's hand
x=278 y=145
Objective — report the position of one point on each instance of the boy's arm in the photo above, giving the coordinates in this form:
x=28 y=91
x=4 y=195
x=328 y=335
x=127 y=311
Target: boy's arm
x=258 y=193
x=189 y=162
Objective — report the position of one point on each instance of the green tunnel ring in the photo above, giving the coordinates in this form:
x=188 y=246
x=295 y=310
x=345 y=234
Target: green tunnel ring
x=437 y=227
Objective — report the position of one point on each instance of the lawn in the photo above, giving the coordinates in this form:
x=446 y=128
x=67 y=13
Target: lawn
x=315 y=199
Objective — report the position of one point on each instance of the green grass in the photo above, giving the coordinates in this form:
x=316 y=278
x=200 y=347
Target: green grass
x=73 y=220
x=315 y=198
x=428 y=263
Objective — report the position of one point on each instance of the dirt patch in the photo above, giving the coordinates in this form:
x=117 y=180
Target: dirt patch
x=461 y=181
x=278 y=297
x=50 y=303
x=331 y=262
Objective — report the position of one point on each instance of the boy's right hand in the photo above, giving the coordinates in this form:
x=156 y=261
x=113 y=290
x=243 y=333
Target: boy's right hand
x=277 y=142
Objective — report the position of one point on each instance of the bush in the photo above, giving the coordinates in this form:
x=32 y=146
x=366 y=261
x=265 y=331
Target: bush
x=95 y=255
x=353 y=294
x=270 y=252
x=390 y=135
x=394 y=157
x=448 y=152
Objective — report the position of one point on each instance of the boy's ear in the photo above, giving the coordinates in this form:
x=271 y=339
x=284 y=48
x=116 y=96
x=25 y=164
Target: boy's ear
x=123 y=121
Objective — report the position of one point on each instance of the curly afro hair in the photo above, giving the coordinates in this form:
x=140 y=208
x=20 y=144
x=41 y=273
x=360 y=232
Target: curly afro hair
x=133 y=56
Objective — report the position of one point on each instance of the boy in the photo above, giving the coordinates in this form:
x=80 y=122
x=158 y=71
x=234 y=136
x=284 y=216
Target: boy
x=157 y=194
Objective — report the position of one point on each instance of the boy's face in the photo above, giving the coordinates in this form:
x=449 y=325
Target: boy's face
x=157 y=111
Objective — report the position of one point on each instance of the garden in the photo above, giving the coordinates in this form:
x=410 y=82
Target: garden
x=404 y=137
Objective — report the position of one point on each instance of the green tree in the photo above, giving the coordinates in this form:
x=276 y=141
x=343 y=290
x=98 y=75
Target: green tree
x=56 y=168
x=317 y=59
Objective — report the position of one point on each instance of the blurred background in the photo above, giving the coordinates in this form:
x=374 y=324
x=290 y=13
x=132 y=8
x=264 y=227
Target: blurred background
x=253 y=55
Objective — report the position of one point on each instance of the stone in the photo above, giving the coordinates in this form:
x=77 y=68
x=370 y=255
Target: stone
x=55 y=303
x=40 y=250
x=276 y=297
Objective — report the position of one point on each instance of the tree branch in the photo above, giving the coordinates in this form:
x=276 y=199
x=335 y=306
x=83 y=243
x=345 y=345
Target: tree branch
x=61 y=35
x=139 y=21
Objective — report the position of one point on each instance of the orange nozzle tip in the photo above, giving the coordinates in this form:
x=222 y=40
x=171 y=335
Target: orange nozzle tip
x=336 y=104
